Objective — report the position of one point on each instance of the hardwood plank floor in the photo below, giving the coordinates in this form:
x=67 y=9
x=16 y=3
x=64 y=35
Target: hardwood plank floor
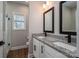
x=20 y=53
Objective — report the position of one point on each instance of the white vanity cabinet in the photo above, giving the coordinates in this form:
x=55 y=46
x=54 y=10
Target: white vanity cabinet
x=41 y=50
x=36 y=48
x=53 y=53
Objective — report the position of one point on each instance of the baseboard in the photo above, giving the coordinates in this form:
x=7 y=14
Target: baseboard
x=30 y=55
x=19 y=47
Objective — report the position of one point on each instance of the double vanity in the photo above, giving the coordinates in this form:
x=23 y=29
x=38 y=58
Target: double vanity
x=53 y=46
x=62 y=45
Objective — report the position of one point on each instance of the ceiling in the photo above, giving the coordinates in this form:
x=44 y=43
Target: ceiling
x=20 y=2
x=70 y=4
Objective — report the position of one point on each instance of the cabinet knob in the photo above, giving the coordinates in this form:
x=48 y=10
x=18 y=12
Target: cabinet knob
x=41 y=49
x=34 y=47
x=8 y=44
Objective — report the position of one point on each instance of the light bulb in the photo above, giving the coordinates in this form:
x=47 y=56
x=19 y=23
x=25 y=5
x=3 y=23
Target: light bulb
x=47 y=2
x=44 y=6
x=26 y=1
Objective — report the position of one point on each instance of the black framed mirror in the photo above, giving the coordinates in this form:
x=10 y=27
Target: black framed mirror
x=68 y=18
x=48 y=20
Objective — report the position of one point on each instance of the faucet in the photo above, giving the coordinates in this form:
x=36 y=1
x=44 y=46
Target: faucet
x=45 y=34
x=69 y=38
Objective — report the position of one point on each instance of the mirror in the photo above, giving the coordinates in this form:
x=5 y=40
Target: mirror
x=68 y=17
x=48 y=20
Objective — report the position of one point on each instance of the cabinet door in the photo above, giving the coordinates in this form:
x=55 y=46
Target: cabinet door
x=42 y=54
x=1 y=51
x=54 y=53
x=35 y=48
x=47 y=55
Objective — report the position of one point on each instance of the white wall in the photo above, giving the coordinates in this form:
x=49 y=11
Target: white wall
x=77 y=28
x=18 y=36
x=35 y=20
x=56 y=17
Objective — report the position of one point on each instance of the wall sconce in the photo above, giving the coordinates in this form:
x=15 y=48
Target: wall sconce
x=26 y=1
x=46 y=4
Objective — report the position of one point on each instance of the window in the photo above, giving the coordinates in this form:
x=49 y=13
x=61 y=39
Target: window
x=19 y=22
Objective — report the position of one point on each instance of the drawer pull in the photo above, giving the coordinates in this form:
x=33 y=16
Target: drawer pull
x=41 y=49
x=34 y=47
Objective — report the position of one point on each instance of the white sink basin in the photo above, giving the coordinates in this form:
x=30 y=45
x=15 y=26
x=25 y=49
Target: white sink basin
x=41 y=37
x=66 y=46
x=51 y=39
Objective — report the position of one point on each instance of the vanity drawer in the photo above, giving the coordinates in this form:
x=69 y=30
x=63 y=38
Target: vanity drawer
x=54 y=53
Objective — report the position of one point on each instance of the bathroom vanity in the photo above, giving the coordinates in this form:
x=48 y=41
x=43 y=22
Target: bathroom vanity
x=57 y=46
x=52 y=47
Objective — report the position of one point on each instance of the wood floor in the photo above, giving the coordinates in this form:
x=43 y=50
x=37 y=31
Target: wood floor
x=20 y=53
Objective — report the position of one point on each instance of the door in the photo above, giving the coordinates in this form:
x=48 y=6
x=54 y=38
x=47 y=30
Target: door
x=1 y=26
x=7 y=31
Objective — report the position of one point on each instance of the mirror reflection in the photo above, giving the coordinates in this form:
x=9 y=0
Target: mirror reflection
x=69 y=16
x=48 y=21
x=48 y=17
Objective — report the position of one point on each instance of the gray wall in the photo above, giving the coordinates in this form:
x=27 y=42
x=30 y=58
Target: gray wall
x=18 y=36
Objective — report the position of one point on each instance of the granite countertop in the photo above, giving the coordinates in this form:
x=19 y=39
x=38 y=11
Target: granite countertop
x=64 y=51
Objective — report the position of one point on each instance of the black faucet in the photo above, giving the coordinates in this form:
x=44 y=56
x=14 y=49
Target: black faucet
x=69 y=38
x=45 y=34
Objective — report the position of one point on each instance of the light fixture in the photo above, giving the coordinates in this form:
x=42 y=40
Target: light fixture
x=26 y=1
x=44 y=6
x=47 y=2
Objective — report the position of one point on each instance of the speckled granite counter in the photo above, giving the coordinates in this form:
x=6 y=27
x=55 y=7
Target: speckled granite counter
x=55 y=38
